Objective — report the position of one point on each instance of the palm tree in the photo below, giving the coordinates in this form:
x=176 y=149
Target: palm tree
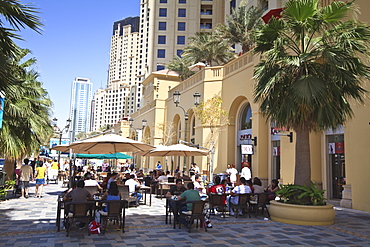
x=26 y=122
x=206 y=47
x=311 y=68
x=181 y=65
x=240 y=26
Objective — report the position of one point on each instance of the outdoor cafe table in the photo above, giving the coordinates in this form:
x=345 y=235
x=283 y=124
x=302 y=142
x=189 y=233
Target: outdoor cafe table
x=145 y=189
x=175 y=210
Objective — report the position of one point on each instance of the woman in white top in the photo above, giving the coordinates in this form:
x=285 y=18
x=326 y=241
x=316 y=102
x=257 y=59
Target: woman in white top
x=232 y=173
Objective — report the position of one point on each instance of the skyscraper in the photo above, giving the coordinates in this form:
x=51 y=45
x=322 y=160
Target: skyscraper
x=122 y=95
x=80 y=105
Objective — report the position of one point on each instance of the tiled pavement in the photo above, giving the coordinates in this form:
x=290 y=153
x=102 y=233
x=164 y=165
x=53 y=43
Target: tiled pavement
x=31 y=222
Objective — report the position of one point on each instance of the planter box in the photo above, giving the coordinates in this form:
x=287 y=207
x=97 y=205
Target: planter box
x=302 y=215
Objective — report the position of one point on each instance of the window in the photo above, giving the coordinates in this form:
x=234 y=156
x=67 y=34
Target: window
x=161 y=39
x=182 y=13
x=181 y=40
x=182 y=1
x=162 y=1
x=181 y=26
x=178 y=53
x=162 y=12
x=162 y=25
x=160 y=67
x=161 y=53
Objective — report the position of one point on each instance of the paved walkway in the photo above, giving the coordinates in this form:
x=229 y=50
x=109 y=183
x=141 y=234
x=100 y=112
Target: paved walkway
x=31 y=222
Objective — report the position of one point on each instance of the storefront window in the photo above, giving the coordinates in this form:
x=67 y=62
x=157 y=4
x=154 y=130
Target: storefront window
x=336 y=161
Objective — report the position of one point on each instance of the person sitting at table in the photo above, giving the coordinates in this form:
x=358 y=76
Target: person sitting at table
x=133 y=185
x=112 y=194
x=189 y=195
x=176 y=190
x=257 y=185
x=217 y=187
x=112 y=179
x=162 y=178
x=199 y=186
x=89 y=181
x=243 y=188
x=140 y=174
x=272 y=188
x=78 y=194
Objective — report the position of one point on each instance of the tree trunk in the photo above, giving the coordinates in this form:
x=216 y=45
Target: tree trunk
x=9 y=168
x=302 y=173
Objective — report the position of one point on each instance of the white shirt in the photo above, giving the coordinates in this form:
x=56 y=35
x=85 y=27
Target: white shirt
x=131 y=185
x=163 y=178
x=233 y=173
x=246 y=173
x=241 y=189
x=91 y=182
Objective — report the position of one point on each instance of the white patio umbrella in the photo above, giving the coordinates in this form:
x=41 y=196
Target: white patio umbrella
x=106 y=144
x=176 y=150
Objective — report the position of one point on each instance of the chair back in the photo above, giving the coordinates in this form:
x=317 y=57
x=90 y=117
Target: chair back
x=124 y=189
x=198 y=208
x=171 y=179
x=244 y=199
x=80 y=209
x=216 y=199
x=148 y=181
x=92 y=189
x=262 y=198
x=115 y=207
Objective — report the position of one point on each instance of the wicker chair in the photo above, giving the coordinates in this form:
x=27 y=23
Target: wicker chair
x=116 y=212
x=81 y=211
x=197 y=213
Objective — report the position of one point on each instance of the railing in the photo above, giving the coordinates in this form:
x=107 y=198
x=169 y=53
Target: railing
x=238 y=63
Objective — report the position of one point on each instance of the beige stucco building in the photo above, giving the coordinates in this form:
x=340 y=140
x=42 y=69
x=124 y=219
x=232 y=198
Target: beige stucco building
x=338 y=159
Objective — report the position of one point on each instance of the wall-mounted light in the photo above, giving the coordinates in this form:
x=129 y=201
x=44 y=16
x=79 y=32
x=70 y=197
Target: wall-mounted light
x=254 y=141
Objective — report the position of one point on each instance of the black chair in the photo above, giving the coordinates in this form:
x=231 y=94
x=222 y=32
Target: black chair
x=217 y=200
x=261 y=202
x=243 y=203
x=81 y=211
x=116 y=212
x=197 y=213
x=171 y=179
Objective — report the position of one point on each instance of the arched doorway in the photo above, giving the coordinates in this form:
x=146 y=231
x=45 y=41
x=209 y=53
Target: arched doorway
x=244 y=135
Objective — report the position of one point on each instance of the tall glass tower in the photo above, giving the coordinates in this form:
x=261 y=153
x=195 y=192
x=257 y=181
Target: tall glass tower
x=80 y=106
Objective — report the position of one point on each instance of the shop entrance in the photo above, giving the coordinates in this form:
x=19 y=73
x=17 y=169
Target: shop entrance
x=336 y=165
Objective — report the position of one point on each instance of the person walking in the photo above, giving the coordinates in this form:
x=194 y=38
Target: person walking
x=26 y=176
x=40 y=179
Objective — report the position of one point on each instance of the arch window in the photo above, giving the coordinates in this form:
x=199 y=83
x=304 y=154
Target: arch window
x=246 y=117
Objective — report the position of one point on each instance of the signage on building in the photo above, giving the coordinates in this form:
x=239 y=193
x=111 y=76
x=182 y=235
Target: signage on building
x=247 y=149
x=244 y=137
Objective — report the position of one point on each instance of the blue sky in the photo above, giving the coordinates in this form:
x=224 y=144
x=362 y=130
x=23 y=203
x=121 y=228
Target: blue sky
x=74 y=43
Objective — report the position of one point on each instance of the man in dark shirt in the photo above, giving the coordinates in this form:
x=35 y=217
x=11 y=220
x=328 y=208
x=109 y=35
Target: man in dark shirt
x=177 y=189
x=79 y=194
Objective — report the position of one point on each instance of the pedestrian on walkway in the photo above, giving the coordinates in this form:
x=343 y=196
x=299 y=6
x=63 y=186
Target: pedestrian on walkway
x=26 y=176
x=40 y=179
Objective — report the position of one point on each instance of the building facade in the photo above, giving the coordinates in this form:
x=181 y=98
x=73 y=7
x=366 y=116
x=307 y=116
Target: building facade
x=80 y=109
x=338 y=158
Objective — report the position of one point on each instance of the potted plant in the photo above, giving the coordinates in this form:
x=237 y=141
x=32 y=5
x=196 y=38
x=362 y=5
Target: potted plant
x=301 y=205
x=9 y=185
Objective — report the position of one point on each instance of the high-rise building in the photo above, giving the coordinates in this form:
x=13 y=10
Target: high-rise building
x=166 y=25
x=122 y=95
x=144 y=44
x=80 y=105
